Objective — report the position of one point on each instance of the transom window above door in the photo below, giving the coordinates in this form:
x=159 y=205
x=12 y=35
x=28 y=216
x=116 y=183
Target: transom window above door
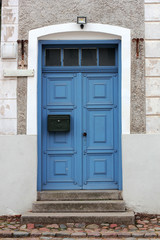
x=85 y=56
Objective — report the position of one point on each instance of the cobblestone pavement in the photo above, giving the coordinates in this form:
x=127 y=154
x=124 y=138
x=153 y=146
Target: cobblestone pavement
x=146 y=226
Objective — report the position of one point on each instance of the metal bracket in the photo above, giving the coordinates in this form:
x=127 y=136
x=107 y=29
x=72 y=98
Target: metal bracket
x=22 y=64
x=137 y=40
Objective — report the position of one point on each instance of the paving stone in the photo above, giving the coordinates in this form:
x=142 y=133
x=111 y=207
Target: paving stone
x=51 y=234
x=46 y=238
x=80 y=225
x=140 y=222
x=113 y=225
x=94 y=234
x=20 y=234
x=69 y=239
x=62 y=226
x=70 y=225
x=138 y=234
x=63 y=234
x=30 y=226
x=92 y=226
x=56 y=226
x=153 y=221
x=150 y=230
x=78 y=234
x=35 y=233
x=39 y=226
x=12 y=227
x=157 y=228
x=105 y=224
x=109 y=234
x=130 y=238
x=12 y=223
x=44 y=229
x=139 y=225
x=146 y=221
x=142 y=229
x=77 y=229
x=30 y=238
x=105 y=228
x=23 y=227
x=6 y=233
x=149 y=235
x=124 y=234
x=132 y=227
x=123 y=226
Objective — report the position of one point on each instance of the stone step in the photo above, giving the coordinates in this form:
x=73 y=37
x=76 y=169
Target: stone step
x=79 y=206
x=92 y=217
x=79 y=195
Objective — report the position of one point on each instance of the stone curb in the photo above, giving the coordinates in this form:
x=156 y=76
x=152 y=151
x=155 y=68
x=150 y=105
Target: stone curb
x=65 y=234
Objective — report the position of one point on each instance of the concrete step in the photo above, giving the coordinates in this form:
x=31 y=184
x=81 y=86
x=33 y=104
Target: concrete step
x=79 y=195
x=92 y=217
x=79 y=206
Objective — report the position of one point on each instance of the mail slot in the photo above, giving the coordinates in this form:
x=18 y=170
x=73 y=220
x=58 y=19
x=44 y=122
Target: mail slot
x=58 y=123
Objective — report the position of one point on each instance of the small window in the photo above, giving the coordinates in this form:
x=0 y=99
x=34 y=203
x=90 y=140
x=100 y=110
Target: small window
x=53 y=57
x=89 y=57
x=71 y=57
x=107 y=56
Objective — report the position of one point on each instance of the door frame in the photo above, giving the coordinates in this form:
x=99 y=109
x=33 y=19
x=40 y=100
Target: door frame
x=41 y=43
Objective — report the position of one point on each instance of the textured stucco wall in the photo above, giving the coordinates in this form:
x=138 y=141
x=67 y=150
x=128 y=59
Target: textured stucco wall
x=126 y=13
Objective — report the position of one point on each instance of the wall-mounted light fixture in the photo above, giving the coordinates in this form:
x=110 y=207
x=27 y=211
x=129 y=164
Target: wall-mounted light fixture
x=81 y=21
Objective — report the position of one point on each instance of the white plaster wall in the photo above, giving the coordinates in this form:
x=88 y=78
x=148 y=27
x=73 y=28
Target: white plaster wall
x=18 y=172
x=141 y=172
x=141 y=164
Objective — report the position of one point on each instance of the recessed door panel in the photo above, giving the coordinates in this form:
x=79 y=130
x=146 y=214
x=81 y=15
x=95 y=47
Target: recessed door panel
x=99 y=127
x=100 y=89
x=60 y=91
x=100 y=167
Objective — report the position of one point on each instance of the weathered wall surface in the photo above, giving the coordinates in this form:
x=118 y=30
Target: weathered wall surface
x=126 y=13
x=141 y=165
x=8 y=86
x=18 y=171
x=152 y=63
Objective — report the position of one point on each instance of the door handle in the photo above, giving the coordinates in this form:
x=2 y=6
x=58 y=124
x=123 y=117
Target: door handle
x=84 y=134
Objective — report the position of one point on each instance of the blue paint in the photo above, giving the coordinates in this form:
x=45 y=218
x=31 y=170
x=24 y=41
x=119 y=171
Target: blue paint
x=69 y=160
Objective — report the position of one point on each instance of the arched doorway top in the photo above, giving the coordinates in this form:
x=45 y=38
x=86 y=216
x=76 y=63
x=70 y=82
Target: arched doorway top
x=72 y=31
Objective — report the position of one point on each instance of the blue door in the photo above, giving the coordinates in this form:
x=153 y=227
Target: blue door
x=86 y=156
x=80 y=82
